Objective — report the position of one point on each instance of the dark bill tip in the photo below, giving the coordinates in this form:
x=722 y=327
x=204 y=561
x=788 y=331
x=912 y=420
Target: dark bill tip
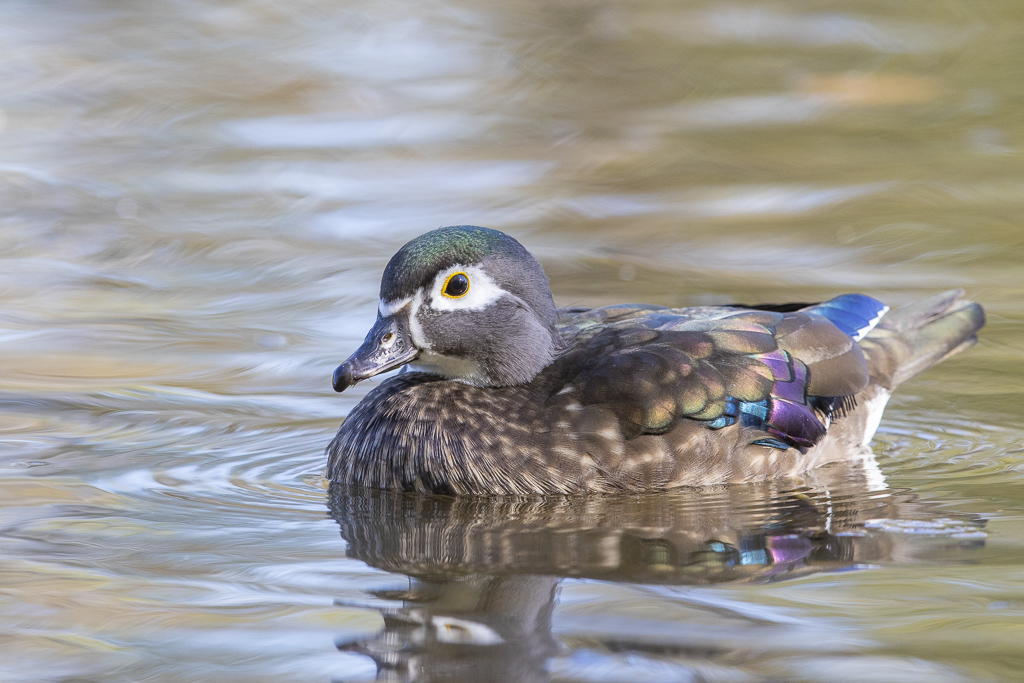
x=343 y=377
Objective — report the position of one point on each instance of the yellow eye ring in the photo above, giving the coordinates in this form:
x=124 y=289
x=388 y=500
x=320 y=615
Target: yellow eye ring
x=456 y=286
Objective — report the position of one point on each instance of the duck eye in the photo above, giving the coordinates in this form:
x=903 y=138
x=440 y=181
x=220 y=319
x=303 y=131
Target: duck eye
x=456 y=286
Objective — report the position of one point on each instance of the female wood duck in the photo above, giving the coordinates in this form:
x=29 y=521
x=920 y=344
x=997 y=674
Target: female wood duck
x=509 y=395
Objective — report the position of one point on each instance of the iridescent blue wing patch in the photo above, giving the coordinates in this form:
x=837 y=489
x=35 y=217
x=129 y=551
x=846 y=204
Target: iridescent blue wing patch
x=854 y=314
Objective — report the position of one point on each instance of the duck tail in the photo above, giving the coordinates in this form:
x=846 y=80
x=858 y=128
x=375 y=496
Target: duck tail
x=919 y=335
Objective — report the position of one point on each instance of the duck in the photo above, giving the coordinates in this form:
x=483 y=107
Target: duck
x=503 y=393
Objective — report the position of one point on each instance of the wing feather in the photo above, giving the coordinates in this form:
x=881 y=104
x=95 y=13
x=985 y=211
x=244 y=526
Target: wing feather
x=652 y=367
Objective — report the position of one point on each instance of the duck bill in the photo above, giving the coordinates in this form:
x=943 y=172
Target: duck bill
x=387 y=346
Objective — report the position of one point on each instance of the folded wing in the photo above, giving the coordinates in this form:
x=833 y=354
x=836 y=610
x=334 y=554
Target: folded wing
x=785 y=374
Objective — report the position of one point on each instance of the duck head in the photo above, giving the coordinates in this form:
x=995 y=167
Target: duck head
x=462 y=302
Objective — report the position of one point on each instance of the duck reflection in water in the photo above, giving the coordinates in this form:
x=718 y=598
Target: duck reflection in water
x=484 y=572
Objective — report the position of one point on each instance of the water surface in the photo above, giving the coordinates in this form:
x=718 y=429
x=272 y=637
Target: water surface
x=200 y=196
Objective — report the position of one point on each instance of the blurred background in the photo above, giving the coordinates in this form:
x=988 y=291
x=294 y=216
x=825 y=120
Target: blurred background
x=199 y=197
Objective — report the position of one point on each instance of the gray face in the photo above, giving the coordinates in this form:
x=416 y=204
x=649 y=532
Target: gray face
x=465 y=303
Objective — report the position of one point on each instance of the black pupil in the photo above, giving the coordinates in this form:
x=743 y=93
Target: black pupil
x=457 y=285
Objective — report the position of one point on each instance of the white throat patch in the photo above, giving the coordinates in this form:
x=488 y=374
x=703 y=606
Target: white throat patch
x=460 y=369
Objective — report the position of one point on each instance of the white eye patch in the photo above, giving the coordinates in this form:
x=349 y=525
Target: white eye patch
x=482 y=292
